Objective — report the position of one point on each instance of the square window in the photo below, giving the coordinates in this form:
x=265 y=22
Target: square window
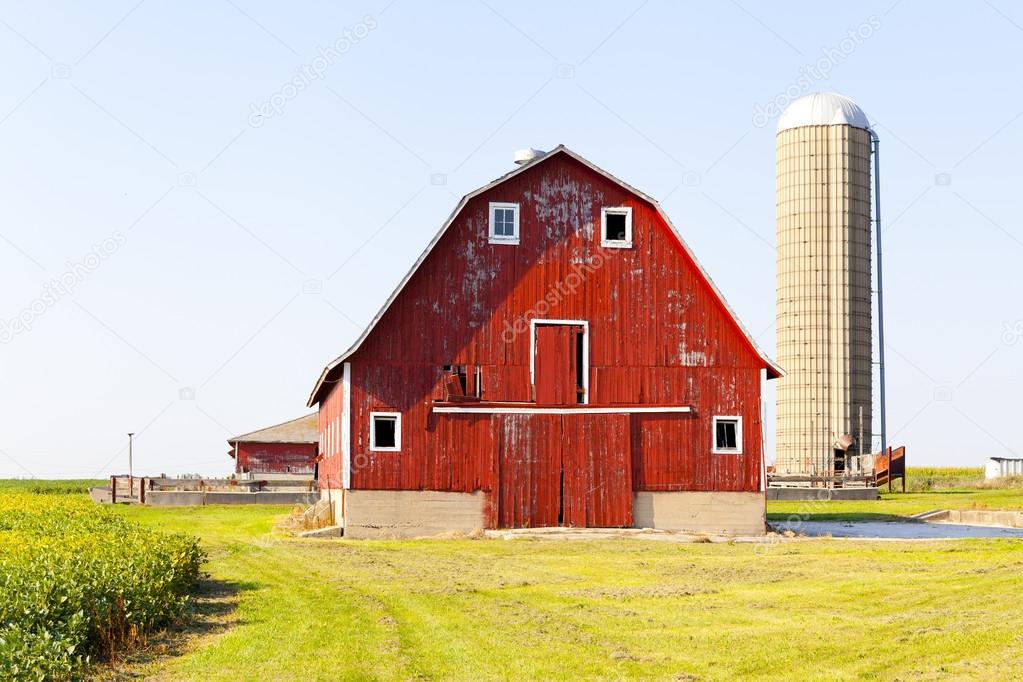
x=504 y=223
x=616 y=227
x=727 y=435
x=385 y=431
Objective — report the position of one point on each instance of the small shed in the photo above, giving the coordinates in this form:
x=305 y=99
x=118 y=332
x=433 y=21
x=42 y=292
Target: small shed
x=1003 y=467
x=287 y=448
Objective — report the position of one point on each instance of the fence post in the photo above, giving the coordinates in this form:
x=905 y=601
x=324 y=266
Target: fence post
x=889 y=469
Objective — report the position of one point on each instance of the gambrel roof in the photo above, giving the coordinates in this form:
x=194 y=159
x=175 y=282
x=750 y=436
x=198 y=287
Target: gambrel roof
x=773 y=370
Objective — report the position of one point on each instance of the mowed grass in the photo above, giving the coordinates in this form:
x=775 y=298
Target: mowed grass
x=540 y=609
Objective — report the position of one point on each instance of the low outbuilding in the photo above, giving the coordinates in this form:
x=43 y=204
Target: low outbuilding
x=287 y=448
x=1003 y=467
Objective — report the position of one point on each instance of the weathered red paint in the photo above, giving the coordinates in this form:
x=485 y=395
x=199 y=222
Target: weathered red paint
x=276 y=458
x=657 y=334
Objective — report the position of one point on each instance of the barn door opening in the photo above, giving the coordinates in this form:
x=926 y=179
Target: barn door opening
x=560 y=363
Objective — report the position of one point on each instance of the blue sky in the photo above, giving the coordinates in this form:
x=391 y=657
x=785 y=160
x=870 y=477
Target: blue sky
x=210 y=260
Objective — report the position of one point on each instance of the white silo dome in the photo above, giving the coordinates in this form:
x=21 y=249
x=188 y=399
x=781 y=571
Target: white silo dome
x=823 y=109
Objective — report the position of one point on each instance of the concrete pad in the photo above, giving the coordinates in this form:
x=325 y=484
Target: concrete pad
x=823 y=494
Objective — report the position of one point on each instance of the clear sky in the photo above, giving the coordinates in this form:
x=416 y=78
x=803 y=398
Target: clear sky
x=202 y=203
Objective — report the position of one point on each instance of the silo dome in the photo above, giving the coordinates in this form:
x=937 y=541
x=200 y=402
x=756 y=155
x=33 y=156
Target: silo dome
x=823 y=109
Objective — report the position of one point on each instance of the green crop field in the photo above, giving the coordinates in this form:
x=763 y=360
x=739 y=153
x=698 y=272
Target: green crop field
x=80 y=583
x=276 y=607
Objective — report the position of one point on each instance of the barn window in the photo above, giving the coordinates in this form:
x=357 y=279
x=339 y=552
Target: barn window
x=385 y=431
x=728 y=435
x=504 y=223
x=462 y=372
x=616 y=227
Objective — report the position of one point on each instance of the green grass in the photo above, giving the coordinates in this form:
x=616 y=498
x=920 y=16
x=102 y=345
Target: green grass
x=281 y=608
x=527 y=609
x=50 y=487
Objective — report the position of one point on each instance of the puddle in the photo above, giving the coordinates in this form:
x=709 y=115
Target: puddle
x=897 y=530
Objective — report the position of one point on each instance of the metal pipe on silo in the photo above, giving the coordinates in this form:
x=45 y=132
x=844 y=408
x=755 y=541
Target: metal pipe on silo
x=880 y=287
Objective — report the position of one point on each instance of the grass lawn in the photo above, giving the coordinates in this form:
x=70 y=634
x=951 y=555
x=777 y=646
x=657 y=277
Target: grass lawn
x=289 y=609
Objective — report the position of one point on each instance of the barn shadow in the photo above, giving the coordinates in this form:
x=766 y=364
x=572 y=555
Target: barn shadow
x=212 y=613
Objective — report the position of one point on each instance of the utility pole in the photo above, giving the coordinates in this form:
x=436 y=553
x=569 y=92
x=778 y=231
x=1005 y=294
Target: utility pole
x=131 y=480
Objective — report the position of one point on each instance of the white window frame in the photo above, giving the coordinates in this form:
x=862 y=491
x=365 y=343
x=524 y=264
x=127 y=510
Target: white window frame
x=714 y=435
x=616 y=243
x=501 y=238
x=533 y=324
x=373 y=432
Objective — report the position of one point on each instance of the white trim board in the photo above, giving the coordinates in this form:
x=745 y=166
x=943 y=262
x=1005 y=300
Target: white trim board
x=346 y=426
x=561 y=410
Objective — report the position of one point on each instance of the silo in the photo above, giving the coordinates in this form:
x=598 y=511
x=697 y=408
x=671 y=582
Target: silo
x=823 y=286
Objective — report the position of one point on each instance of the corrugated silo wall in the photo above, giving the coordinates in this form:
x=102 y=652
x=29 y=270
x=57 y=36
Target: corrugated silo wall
x=824 y=293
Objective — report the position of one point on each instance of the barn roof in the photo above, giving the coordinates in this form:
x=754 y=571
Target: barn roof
x=773 y=370
x=301 y=430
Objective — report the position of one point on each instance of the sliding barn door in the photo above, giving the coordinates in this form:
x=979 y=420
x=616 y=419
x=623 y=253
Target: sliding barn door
x=529 y=475
x=597 y=463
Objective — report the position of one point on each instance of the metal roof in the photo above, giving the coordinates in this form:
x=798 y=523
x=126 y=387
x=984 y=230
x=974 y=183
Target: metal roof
x=773 y=369
x=823 y=109
x=301 y=430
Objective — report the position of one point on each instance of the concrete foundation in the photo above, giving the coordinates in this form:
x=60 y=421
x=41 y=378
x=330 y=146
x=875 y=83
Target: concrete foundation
x=975 y=517
x=419 y=513
x=718 y=513
x=823 y=494
x=410 y=513
x=193 y=498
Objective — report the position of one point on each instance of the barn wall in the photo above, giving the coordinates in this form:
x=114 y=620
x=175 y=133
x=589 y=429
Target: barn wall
x=329 y=423
x=277 y=458
x=657 y=334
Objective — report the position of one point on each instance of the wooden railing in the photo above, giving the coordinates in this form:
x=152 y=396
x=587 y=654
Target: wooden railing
x=889 y=466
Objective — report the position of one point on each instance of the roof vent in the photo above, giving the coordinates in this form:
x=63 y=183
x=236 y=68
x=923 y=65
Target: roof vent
x=524 y=156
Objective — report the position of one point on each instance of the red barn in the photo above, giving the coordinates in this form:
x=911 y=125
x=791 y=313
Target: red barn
x=557 y=356
x=287 y=448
